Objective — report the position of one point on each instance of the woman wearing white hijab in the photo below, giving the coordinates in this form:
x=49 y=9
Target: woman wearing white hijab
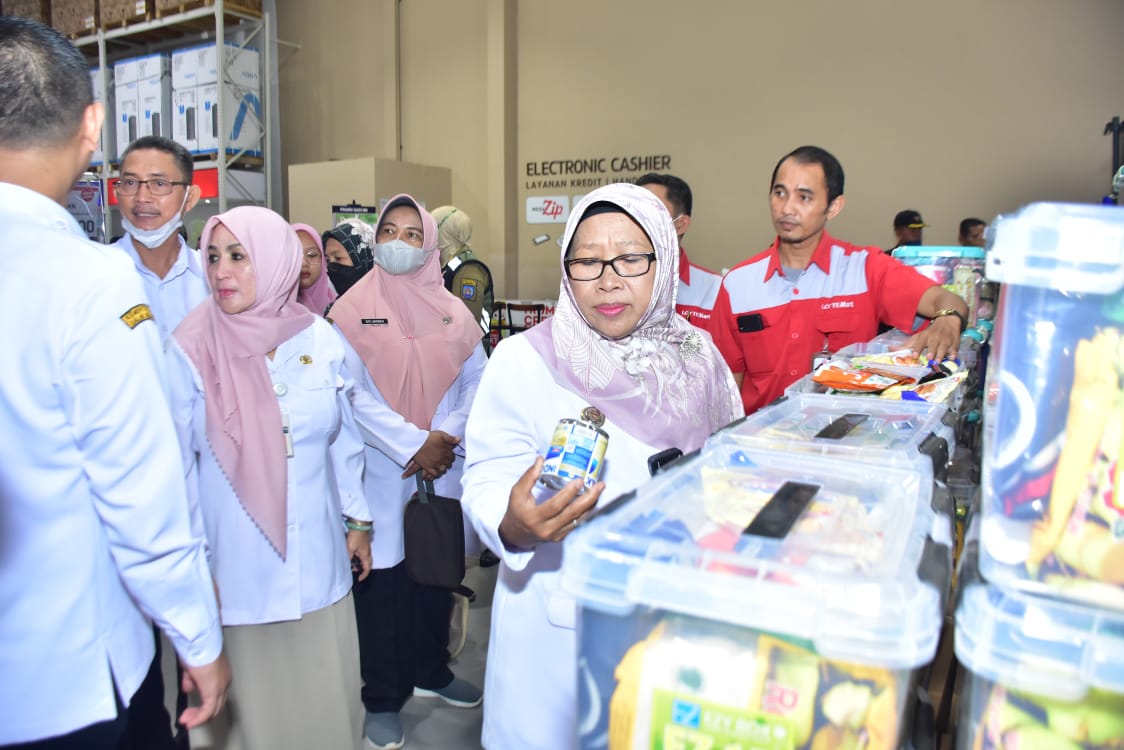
x=614 y=343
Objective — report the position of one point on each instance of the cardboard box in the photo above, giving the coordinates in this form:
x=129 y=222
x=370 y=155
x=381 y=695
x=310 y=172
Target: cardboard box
x=241 y=112
x=154 y=95
x=126 y=103
x=142 y=98
x=114 y=13
x=185 y=69
x=125 y=71
x=244 y=65
x=185 y=118
x=153 y=66
x=171 y=6
x=314 y=187
x=38 y=10
x=242 y=120
x=75 y=17
x=99 y=156
x=208 y=113
x=240 y=101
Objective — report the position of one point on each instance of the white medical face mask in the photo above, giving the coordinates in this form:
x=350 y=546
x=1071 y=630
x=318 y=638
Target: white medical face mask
x=153 y=238
x=397 y=258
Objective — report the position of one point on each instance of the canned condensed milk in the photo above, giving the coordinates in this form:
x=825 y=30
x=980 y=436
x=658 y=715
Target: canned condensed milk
x=577 y=451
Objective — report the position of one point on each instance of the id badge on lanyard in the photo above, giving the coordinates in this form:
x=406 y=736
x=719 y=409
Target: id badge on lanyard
x=287 y=432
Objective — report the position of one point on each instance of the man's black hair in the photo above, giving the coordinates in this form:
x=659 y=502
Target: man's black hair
x=832 y=169
x=678 y=191
x=159 y=143
x=44 y=85
x=969 y=224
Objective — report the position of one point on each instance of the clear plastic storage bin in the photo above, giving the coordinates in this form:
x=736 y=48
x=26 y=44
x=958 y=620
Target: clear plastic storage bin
x=871 y=430
x=1053 y=516
x=958 y=269
x=1039 y=672
x=749 y=598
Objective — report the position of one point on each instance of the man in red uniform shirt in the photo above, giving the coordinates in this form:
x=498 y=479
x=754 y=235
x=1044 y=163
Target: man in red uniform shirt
x=809 y=292
x=698 y=286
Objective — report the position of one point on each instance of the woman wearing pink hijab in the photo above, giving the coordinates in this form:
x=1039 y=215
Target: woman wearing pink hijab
x=274 y=462
x=416 y=355
x=315 y=289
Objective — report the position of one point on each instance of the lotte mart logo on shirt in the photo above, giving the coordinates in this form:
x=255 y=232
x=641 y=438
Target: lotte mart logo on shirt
x=548 y=209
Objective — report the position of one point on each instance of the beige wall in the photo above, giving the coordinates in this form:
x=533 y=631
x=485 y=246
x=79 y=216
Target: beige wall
x=338 y=87
x=958 y=108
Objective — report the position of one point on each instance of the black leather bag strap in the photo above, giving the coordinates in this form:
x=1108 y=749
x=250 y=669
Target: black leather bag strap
x=425 y=487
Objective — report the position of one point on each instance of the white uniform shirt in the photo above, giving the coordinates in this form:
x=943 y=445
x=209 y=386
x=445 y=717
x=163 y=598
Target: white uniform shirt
x=174 y=296
x=93 y=513
x=531 y=680
x=255 y=584
x=392 y=441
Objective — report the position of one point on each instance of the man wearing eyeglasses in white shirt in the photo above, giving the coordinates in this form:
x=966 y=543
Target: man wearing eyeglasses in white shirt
x=154 y=193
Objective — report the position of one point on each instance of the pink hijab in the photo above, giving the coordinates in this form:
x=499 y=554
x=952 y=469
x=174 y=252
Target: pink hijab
x=411 y=333
x=318 y=296
x=665 y=383
x=243 y=417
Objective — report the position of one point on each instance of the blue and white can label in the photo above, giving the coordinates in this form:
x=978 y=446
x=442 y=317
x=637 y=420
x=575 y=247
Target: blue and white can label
x=577 y=451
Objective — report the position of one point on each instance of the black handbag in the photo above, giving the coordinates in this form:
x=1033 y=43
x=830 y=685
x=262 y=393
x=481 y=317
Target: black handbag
x=433 y=529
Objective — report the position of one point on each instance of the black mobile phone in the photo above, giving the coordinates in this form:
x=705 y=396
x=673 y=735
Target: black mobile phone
x=750 y=323
x=777 y=518
x=840 y=427
x=659 y=460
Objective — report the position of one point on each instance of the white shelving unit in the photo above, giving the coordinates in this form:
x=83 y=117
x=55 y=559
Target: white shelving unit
x=218 y=22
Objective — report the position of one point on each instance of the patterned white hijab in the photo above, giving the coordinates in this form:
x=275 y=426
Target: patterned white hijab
x=665 y=383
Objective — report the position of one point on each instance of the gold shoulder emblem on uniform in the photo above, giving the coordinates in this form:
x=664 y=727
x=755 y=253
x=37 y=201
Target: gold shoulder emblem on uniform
x=306 y=360
x=136 y=315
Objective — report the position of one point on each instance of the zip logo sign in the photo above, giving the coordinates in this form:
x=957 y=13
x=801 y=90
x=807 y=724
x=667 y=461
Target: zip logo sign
x=548 y=209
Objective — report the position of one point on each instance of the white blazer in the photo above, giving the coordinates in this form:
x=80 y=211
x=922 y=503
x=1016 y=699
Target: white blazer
x=530 y=689
x=325 y=481
x=392 y=441
x=94 y=530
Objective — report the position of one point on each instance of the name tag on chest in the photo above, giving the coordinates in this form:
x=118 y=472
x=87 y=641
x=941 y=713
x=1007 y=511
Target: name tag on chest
x=374 y=321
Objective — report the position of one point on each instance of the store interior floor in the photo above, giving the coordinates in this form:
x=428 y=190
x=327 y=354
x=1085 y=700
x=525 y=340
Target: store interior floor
x=429 y=723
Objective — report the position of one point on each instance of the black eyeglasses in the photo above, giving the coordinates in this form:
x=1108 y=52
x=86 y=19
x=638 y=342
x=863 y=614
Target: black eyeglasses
x=591 y=269
x=156 y=186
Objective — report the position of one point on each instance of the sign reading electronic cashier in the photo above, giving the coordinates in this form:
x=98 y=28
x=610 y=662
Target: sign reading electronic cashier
x=554 y=186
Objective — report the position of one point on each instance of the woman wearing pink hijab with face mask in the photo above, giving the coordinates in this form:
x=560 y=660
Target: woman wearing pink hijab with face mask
x=416 y=355
x=274 y=461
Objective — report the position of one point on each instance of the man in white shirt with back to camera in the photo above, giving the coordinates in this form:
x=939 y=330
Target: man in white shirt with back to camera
x=94 y=529
x=154 y=193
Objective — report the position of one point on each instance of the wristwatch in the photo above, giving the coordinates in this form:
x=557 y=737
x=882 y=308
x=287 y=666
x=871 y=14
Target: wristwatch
x=952 y=311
